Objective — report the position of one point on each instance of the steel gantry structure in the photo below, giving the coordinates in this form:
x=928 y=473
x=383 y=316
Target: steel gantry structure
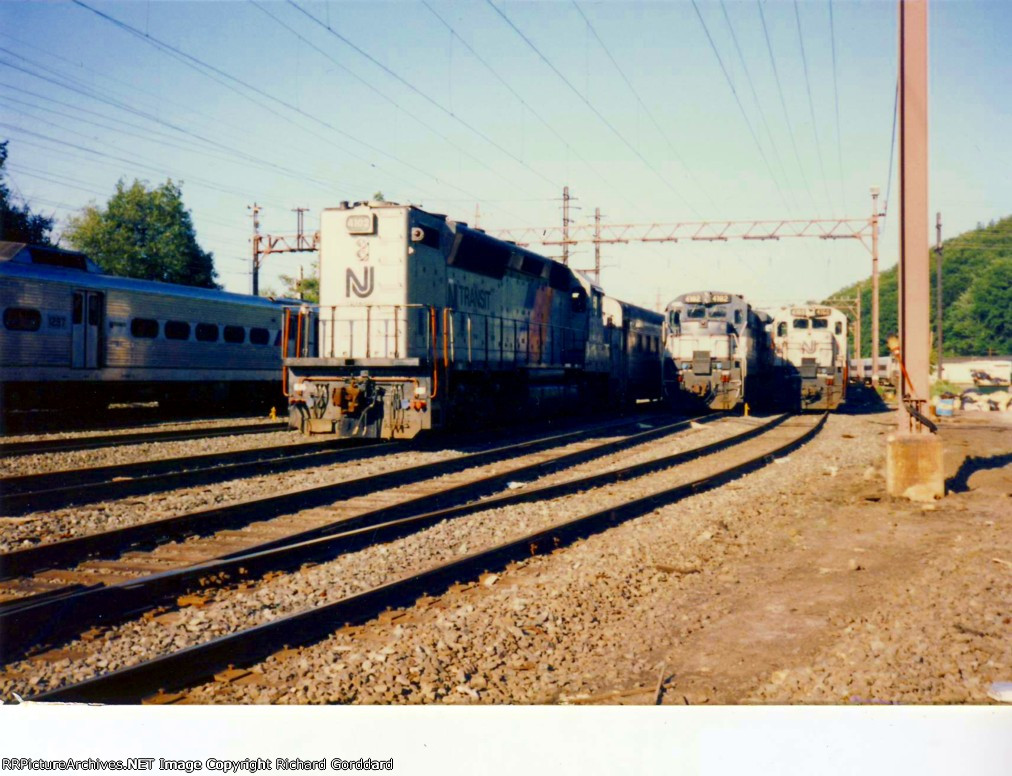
x=266 y=244
x=865 y=230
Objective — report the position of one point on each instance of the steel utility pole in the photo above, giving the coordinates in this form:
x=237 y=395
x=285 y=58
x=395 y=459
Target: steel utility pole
x=266 y=244
x=597 y=245
x=914 y=269
x=565 y=225
x=938 y=290
x=857 y=334
x=255 y=273
x=914 y=467
x=874 y=287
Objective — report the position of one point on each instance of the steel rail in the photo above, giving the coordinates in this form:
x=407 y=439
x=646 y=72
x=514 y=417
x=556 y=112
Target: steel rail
x=198 y=663
x=111 y=440
x=31 y=622
x=110 y=543
x=53 y=490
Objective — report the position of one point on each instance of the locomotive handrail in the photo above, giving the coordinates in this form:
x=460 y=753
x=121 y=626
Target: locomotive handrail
x=530 y=342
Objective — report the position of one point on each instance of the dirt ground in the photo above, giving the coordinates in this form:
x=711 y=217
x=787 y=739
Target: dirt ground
x=871 y=600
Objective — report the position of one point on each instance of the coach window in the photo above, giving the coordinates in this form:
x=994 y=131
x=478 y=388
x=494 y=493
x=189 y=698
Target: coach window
x=144 y=328
x=235 y=335
x=177 y=330
x=207 y=332
x=800 y=323
x=259 y=336
x=22 y=319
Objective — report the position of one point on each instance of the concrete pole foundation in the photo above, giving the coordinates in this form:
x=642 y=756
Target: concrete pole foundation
x=914 y=467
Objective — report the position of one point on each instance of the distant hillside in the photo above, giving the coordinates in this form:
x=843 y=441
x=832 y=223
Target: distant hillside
x=976 y=295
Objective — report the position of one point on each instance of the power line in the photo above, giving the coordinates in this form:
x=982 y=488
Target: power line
x=84 y=90
x=836 y=103
x=892 y=148
x=150 y=135
x=428 y=98
x=141 y=165
x=755 y=96
x=523 y=102
x=783 y=103
x=387 y=98
x=811 y=104
x=643 y=105
x=741 y=107
x=590 y=105
x=210 y=71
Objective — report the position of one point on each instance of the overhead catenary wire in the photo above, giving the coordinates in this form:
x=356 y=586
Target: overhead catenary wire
x=152 y=136
x=741 y=108
x=203 y=182
x=811 y=105
x=836 y=105
x=783 y=103
x=75 y=86
x=755 y=97
x=386 y=98
x=160 y=101
x=427 y=97
x=562 y=139
x=650 y=115
x=892 y=148
x=590 y=105
x=217 y=74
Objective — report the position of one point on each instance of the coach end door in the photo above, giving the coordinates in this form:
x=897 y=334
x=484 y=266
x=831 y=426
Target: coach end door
x=86 y=329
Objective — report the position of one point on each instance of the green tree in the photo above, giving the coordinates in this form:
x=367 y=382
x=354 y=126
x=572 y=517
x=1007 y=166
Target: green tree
x=310 y=290
x=144 y=233
x=17 y=222
x=976 y=294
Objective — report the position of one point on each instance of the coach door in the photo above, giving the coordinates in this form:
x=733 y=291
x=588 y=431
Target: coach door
x=86 y=329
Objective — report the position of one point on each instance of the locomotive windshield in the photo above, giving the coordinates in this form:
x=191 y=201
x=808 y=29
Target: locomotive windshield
x=800 y=323
x=718 y=312
x=820 y=323
x=695 y=312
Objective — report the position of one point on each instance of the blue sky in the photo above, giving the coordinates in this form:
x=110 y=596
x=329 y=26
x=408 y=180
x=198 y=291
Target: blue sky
x=626 y=102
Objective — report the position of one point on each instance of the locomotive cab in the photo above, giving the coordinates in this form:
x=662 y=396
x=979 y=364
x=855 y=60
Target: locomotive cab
x=810 y=344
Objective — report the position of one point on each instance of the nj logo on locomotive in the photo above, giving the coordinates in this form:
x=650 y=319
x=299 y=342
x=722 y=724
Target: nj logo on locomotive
x=361 y=288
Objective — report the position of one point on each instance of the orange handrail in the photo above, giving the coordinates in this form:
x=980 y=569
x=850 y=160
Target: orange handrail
x=284 y=352
x=433 y=320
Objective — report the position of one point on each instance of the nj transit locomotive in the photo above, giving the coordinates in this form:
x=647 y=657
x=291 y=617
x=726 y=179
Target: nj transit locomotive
x=73 y=337
x=425 y=323
x=716 y=350
x=810 y=344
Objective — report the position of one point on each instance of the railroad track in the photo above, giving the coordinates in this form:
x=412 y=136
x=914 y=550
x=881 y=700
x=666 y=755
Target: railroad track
x=53 y=490
x=748 y=450
x=55 y=612
x=68 y=444
x=298 y=505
